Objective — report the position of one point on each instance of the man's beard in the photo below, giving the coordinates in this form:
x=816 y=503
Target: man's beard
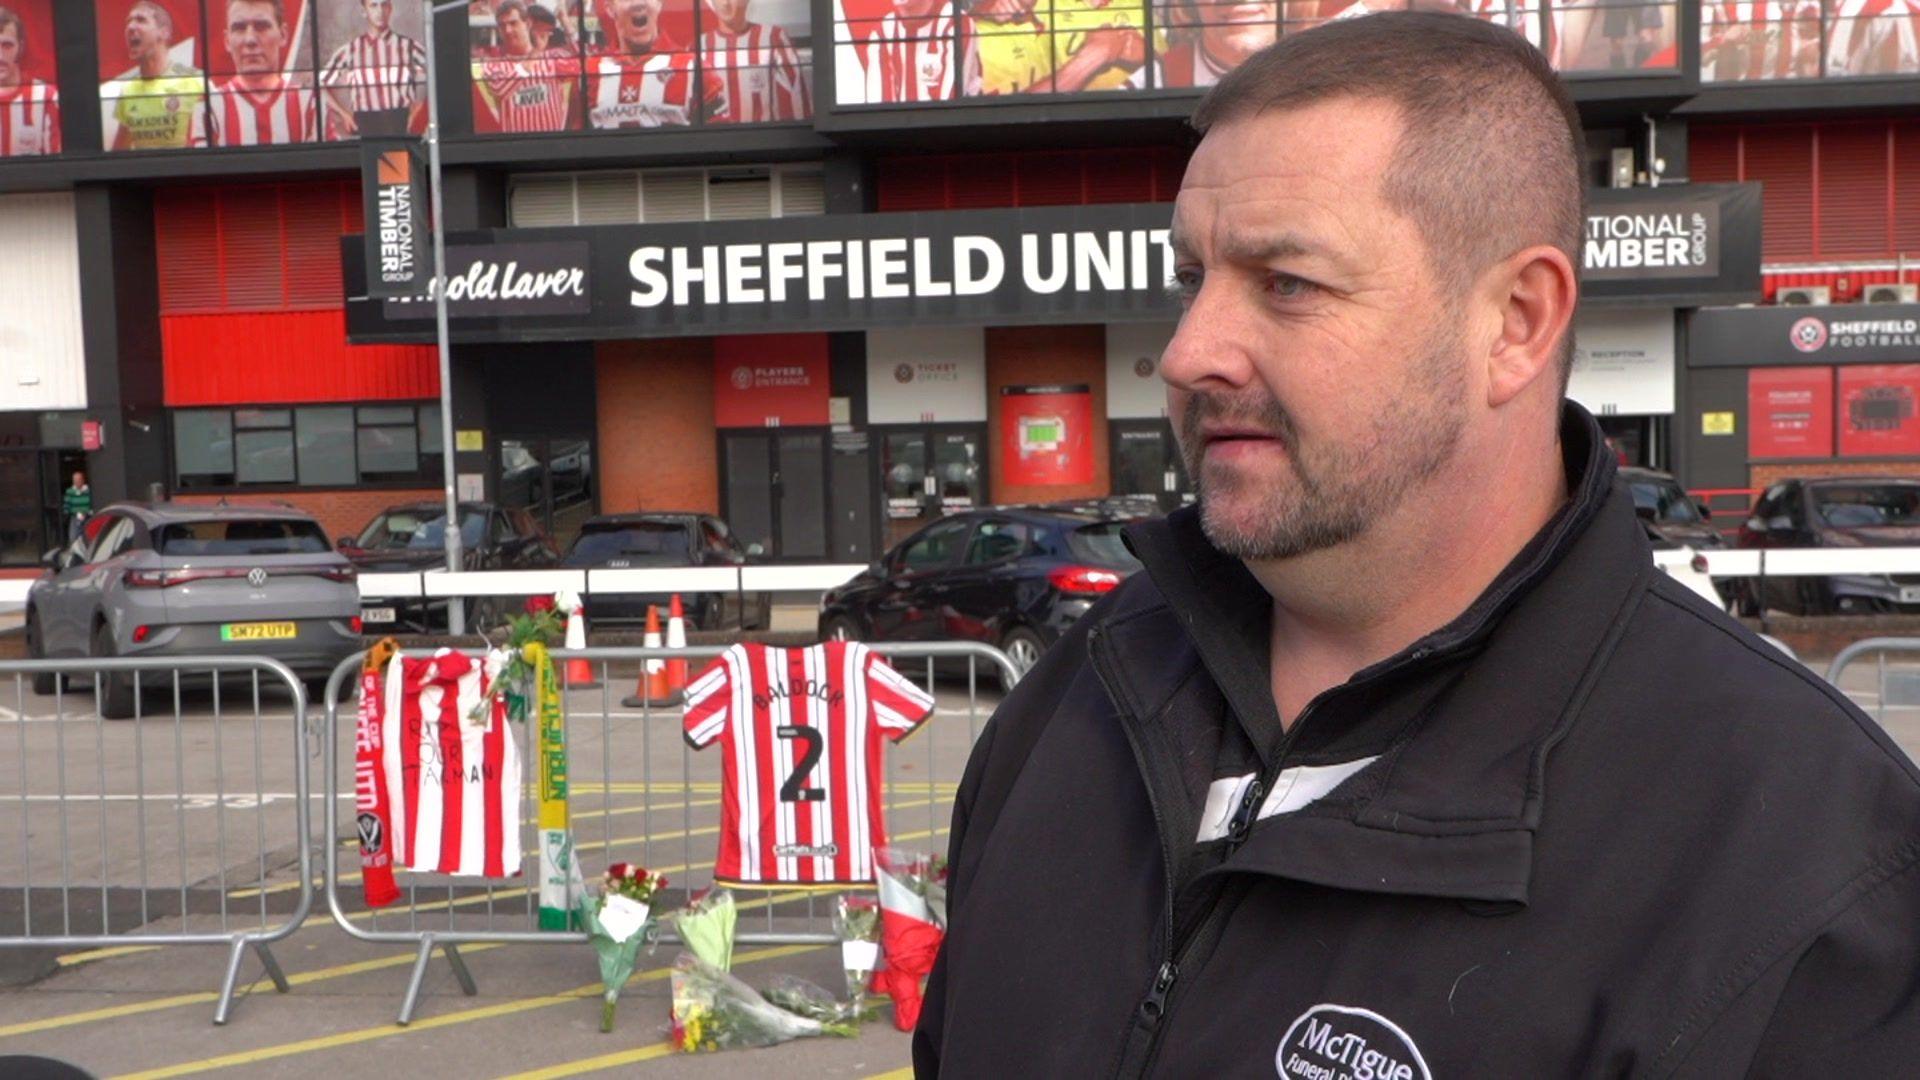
x=1335 y=493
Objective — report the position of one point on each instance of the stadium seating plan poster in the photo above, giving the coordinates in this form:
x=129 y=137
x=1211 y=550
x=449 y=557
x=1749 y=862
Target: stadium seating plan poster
x=29 y=87
x=560 y=65
x=182 y=74
x=1790 y=412
x=1877 y=404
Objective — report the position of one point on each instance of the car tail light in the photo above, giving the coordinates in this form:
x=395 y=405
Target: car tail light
x=354 y=624
x=162 y=579
x=141 y=634
x=1088 y=580
x=339 y=573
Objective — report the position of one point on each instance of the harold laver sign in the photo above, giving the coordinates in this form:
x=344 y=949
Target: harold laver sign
x=977 y=267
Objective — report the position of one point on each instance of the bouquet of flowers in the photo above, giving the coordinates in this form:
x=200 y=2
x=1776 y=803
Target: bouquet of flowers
x=617 y=922
x=706 y=925
x=712 y=1010
x=813 y=1001
x=508 y=673
x=856 y=922
x=913 y=923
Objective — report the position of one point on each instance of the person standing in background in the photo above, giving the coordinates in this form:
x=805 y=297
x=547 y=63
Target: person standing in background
x=76 y=503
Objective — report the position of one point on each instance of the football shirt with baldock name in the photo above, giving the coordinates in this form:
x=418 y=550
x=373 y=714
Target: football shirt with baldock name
x=801 y=731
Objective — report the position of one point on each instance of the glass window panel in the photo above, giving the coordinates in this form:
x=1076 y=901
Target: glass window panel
x=388 y=453
x=262 y=418
x=1614 y=35
x=325 y=441
x=1886 y=43
x=430 y=429
x=263 y=457
x=386 y=414
x=203 y=446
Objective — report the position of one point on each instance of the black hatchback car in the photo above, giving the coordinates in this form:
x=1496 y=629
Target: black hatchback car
x=411 y=538
x=663 y=540
x=1836 y=513
x=1013 y=577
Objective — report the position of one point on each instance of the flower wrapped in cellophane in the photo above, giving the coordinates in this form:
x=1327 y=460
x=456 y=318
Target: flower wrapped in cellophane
x=706 y=926
x=856 y=922
x=913 y=915
x=616 y=921
x=712 y=1010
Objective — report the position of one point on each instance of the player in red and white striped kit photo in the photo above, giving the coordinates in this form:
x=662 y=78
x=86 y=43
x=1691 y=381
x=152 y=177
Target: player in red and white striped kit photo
x=642 y=81
x=261 y=105
x=29 y=108
x=376 y=83
x=520 y=87
x=765 y=79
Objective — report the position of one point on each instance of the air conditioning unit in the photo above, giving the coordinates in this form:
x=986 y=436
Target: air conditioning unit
x=1805 y=294
x=1892 y=293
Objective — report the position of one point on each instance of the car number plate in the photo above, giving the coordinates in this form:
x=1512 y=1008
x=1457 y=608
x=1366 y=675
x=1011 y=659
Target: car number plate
x=1910 y=594
x=257 y=631
x=376 y=614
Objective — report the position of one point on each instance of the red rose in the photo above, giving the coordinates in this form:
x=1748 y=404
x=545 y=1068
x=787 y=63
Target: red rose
x=619 y=870
x=538 y=604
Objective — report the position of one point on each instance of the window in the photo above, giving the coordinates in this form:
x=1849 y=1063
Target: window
x=1665 y=502
x=114 y=541
x=994 y=541
x=936 y=547
x=648 y=196
x=1832 y=39
x=1102 y=543
x=242 y=536
x=419 y=528
x=641 y=543
x=313 y=446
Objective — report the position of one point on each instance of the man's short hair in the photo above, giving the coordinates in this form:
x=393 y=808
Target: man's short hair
x=9 y=18
x=540 y=13
x=1491 y=158
x=160 y=15
x=279 y=8
x=505 y=6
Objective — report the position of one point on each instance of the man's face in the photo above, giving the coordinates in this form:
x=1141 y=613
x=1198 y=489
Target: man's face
x=731 y=13
x=515 y=33
x=255 y=38
x=145 y=34
x=1231 y=32
x=1315 y=377
x=79 y=479
x=9 y=55
x=637 y=22
x=379 y=14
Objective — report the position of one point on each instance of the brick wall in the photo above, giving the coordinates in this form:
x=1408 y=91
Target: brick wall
x=1039 y=355
x=1765 y=476
x=657 y=442
x=342 y=512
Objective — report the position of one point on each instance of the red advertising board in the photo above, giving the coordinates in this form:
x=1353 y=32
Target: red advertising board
x=1046 y=435
x=1790 y=412
x=1876 y=413
x=770 y=380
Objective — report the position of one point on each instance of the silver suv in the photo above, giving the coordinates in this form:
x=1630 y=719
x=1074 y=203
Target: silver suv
x=170 y=579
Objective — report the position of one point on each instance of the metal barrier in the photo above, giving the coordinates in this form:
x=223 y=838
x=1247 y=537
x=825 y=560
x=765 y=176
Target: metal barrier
x=178 y=819
x=1893 y=688
x=632 y=767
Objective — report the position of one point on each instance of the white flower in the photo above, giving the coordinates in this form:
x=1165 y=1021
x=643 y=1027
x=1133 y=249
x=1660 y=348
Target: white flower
x=567 y=601
x=496 y=662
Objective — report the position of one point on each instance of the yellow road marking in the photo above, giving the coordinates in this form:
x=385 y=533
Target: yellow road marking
x=897 y=1074
x=463 y=1016
x=102 y=954
x=595 y=1064
x=114 y=1012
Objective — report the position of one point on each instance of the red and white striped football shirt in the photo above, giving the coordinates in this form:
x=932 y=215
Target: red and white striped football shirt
x=379 y=71
x=453 y=787
x=762 y=72
x=652 y=90
x=530 y=93
x=242 y=117
x=1874 y=37
x=801 y=731
x=29 y=120
x=916 y=63
x=1753 y=39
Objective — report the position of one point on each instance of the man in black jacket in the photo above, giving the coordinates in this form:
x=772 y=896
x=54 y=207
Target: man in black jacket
x=1401 y=760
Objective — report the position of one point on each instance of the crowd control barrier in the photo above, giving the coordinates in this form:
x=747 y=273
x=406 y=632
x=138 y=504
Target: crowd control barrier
x=131 y=833
x=638 y=793
x=1894 y=686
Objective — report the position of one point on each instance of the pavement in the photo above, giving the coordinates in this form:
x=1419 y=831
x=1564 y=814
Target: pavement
x=211 y=788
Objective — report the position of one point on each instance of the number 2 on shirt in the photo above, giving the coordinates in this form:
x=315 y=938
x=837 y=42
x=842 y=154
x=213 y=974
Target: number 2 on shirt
x=794 y=788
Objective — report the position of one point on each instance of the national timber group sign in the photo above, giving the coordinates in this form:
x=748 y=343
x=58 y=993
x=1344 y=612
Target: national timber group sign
x=980 y=267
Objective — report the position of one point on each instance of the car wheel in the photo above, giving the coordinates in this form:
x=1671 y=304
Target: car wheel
x=840 y=628
x=45 y=683
x=116 y=687
x=1023 y=647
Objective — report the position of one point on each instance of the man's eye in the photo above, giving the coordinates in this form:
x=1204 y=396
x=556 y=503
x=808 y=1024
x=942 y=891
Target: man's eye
x=1288 y=287
x=1185 y=282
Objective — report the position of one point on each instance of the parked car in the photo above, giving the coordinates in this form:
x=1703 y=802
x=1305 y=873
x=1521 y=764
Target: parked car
x=661 y=541
x=1672 y=518
x=1837 y=513
x=1014 y=577
x=411 y=538
x=175 y=580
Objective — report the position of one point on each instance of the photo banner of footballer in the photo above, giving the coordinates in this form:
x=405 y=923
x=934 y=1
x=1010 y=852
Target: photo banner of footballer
x=29 y=86
x=372 y=68
x=261 y=73
x=153 y=86
x=642 y=67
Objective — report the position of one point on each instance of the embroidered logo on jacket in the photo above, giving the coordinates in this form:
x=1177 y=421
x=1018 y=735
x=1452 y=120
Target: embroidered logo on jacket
x=1336 y=1042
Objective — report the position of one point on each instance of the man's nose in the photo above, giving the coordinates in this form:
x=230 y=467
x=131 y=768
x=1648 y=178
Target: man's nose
x=1210 y=348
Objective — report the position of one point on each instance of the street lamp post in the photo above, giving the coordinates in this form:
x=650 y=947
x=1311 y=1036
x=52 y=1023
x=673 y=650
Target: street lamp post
x=456 y=608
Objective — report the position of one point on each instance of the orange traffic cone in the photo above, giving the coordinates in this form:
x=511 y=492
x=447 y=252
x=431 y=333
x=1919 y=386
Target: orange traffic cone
x=676 y=639
x=579 y=672
x=653 y=673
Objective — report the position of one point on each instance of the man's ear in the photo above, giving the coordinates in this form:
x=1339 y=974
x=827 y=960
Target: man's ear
x=1536 y=291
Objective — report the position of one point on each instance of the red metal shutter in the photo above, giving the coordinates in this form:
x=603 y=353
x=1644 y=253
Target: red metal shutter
x=1051 y=180
x=979 y=181
x=1119 y=176
x=1780 y=157
x=912 y=184
x=186 y=230
x=261 y=358
x=1904 y=199
x=1714 y=155
x=1853 y=191
x=251 y=248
